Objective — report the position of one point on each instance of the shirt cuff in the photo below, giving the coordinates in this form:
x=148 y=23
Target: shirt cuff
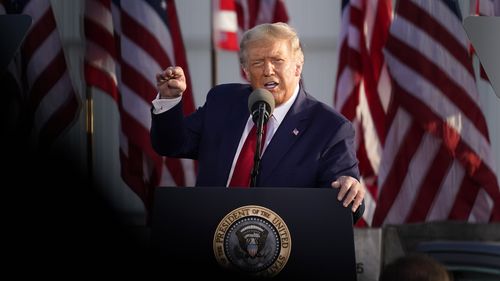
x=162 y=105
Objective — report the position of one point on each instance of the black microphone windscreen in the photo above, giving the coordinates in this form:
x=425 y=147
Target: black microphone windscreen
x=261 y=95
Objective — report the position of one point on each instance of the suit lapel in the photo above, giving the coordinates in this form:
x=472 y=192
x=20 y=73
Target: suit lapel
x=291 y=129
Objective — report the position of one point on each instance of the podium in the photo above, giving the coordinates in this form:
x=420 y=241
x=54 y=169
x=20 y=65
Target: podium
x=255 y=233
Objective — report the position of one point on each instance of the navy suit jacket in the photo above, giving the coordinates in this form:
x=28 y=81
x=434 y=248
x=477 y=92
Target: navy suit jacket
x=321 y=151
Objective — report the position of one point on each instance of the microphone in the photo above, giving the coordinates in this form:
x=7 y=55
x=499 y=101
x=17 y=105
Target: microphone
x=261 y=106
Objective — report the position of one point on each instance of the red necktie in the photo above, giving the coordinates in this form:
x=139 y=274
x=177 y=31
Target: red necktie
x=244 y=164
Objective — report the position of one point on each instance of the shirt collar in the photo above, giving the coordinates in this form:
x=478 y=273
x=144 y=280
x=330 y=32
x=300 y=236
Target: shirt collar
x=280 y=111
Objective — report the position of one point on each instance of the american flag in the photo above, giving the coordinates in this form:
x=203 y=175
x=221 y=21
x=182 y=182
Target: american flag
x=225 y=25
x=233 y=17
x=485 y=7
x=437 y=162
x=251 y=13
x=363 y=86
x=128 y=42
x=50 y=104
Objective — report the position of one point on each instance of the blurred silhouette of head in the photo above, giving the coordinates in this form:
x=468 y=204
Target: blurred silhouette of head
x=415 y=267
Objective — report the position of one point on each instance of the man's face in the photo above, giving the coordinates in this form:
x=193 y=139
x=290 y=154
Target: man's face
x=272 y=65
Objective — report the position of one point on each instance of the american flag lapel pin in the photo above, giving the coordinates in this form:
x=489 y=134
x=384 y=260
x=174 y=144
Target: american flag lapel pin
x=295 y=132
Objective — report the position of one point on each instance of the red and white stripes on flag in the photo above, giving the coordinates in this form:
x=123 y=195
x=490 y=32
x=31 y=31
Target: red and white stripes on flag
x=128 y=42
x=233 y=17
x=437 y=162
x=101 y=53
x=363 y=86
x=51 y=104
x=225 y=25
x=484 y=7
x=254 y=12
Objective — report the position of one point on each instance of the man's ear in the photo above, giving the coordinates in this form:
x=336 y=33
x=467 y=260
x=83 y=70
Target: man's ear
x=247 y=74
x=298 y=69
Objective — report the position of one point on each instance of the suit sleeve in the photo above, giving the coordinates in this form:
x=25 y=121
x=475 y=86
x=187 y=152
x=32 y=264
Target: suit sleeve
x=340 y=160
x=174 y=135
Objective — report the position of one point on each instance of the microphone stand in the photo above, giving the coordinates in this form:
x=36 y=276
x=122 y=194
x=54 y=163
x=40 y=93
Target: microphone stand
x=260 y=129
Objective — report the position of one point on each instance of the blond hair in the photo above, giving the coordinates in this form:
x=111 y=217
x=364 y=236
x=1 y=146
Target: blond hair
x=269 y=31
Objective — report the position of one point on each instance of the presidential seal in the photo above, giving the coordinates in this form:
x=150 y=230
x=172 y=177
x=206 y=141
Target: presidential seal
x=254 y=240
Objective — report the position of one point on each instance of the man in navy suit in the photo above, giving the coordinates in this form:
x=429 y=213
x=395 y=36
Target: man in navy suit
x=308 y=144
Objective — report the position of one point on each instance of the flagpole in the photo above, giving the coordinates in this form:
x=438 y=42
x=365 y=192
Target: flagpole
x=213 y=50
x=89 y=128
